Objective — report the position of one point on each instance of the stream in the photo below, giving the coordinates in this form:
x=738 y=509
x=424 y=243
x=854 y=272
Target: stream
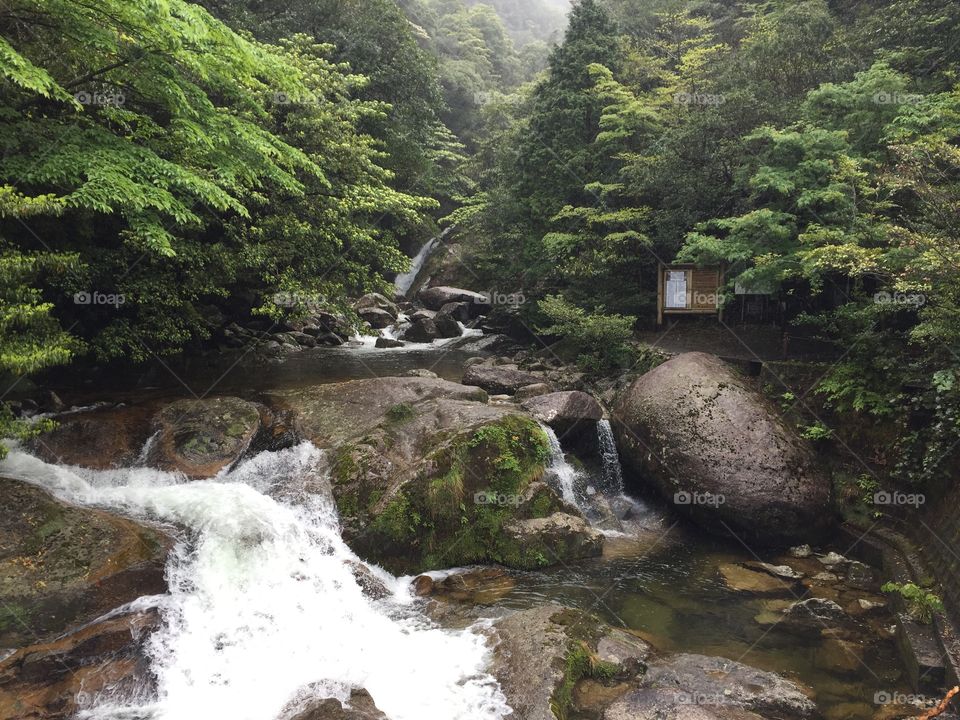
x=265 y=613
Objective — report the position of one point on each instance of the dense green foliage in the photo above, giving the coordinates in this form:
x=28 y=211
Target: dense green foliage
x=808 y=148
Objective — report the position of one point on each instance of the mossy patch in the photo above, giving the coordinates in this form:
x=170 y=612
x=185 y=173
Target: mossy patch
x=454 y=511
x=580 y=663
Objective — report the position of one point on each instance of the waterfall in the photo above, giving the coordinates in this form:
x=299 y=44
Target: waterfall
x=264 y=612
x=404 y=281
x=564 y=474
x=612 y=471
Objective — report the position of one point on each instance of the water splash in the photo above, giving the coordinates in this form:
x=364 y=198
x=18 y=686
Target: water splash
x=264 y=612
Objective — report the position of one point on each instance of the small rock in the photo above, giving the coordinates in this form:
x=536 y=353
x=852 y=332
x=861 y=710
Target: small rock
x=457 y=310
x=377 y=317
x=833 y=560
x=781 y=571
x=423 y=330
x=870 y=605
x=741 y=579
x=801 y=551
x=860 y=576
x=814 y=614
x=421 y=373
x=827 y=577
x=389 y=343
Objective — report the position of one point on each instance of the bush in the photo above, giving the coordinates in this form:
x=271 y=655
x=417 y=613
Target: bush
x=600 y=339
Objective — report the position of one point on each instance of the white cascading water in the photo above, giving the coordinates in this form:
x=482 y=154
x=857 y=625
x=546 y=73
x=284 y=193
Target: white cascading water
x=563 y=473
x=612 y=470
x=264 y=612
x=404 y=281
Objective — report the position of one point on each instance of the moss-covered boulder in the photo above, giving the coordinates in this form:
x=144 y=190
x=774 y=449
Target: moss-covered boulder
x=201 y=437
x=62 y=565
x=456 y=500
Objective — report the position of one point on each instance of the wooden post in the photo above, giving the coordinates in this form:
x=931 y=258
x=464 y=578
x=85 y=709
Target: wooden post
x=660 y=271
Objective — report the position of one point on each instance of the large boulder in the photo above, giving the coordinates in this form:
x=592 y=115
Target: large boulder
x=447 y=326
x=62 y=565
x=703 y=687
x=378 y=301
x=427 y=475
x=102 y=438
x=377 y=317
x=570 y=413
x=201 y=437
x=697 y=431
x=499 y=379
x=436 y=297
x=57 y=680
x=423 y=330
x=544 y=655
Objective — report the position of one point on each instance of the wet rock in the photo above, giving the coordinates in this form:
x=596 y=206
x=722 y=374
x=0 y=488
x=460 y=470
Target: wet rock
x=480 y=586
x=825 y=577
x=421 y=373
x=360 y=707
x=422 y=314
x=624 y=649
x=781 y=571
x=834 y=560
x=56 y=680
x=102 y=438
x=839 y=656
x=458 y=311
x=559 y=538
x=500 y=379
x=447 y=326
x=436 y=297
x=570 y=413
x=860 y=576
x=377 y=317
x=201 y=437
x=378 y=301
x=814 y=615
x=532 y=391
x=62 y=565
x=370 y=584
x=693 y=425
x=529 y=659
x=743 y=579
x=801 y=551
x=423 y=330
x=388 y=343
x=697 y=686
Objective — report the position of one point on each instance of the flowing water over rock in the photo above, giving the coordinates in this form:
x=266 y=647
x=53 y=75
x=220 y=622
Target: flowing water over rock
x=404 y=281
x=264 y=610
x=612 y=470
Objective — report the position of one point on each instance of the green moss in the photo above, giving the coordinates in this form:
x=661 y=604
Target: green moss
x=401 y=412
x=579 y=663
x=399 y=521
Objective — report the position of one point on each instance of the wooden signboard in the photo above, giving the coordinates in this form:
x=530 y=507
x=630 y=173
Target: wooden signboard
x=688 y=290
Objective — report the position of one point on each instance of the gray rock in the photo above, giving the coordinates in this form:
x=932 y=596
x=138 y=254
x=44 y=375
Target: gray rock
x=499 y=380
x=813 y=615
x=377 y=317
x=860 y=576
x=421 y=373
x=376 y=300
x=801 y=551
x=698 y=686
x=567 y=412
x=388 y=343
x=532 y=391
x=458 y=310
x=436 y=297
x=423 y=330
x=422 y=314
x=558 y=538
x=447 y=326
x=693 y=425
